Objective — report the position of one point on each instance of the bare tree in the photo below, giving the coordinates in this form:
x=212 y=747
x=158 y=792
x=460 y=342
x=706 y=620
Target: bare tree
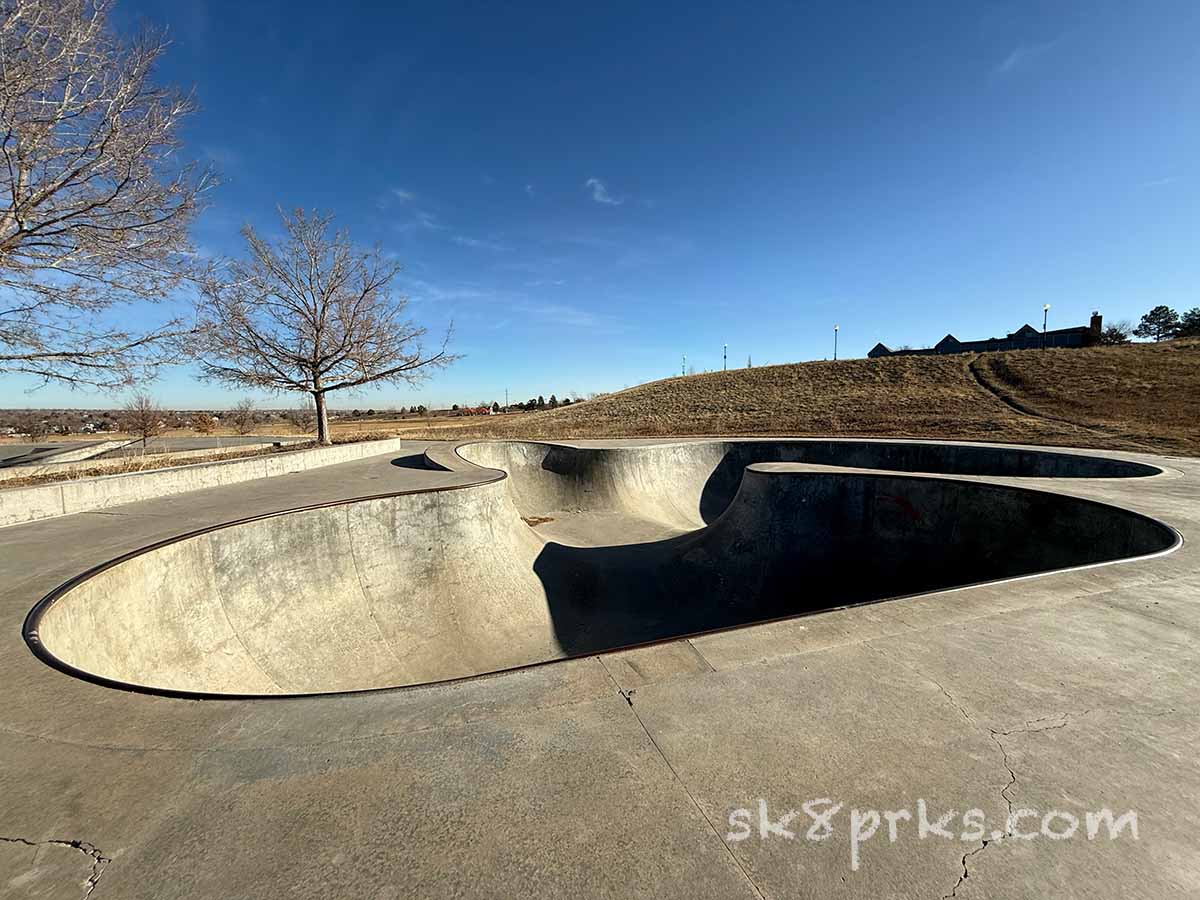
x=203 y=423
x=33 y=424
x=1116 y=333
x=243 y=417
x=94 y=208
x=143 y=417
x=311 y=314
x=302 y=418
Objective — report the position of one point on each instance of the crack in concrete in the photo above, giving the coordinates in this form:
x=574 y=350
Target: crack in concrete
x=1029 y=725
x=994 y=735
x=1005 y=792
x=99 y=860
x=1012 y=776
x=965 y=873
x=628 y=697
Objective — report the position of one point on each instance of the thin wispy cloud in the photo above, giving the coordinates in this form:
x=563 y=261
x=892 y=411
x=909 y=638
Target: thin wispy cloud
x=601 y=194
x=478 y=244
x=423 y=220
x=393 y=197
x=1160 y=182
x=568 y=316
x=1022 y=56
x=420 y=290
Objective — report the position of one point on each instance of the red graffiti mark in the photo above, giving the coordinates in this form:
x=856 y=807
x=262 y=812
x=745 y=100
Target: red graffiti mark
x=906 y=508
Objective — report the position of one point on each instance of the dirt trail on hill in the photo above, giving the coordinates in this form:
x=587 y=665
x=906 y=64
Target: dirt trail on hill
x=1135 y=397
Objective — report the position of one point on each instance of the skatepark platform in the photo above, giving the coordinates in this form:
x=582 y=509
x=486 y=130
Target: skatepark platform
x=627 y=547
x=615 y=773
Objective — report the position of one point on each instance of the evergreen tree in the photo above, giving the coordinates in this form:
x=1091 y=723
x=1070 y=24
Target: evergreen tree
x=1189 y=323
x=1160 y=324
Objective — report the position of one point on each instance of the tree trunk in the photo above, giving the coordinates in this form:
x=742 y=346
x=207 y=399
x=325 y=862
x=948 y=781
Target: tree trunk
x=322 y=419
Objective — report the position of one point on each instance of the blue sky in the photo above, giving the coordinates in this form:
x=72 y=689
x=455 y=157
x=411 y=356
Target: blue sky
x=590 y=192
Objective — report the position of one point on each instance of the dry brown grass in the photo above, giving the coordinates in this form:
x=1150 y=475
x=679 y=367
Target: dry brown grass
x=1137 y=397
x=1145 y=393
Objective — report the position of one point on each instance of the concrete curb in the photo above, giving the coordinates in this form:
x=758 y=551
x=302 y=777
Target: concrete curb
x=20 y=505
x=445 y=458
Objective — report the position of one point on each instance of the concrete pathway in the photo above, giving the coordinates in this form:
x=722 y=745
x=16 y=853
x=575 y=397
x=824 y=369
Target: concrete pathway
x=641 y=773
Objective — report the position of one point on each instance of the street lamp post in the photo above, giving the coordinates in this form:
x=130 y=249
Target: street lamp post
x=1045 y=316
x=835 y=337
x=724 y=357
x=683 y=370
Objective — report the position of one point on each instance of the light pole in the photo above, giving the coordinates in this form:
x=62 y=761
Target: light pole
x=724 y=357
x=835 y=335
x=1045 y=316
x=683 y=371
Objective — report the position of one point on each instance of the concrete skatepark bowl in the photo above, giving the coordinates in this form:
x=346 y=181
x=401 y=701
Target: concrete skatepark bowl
x=564 y=552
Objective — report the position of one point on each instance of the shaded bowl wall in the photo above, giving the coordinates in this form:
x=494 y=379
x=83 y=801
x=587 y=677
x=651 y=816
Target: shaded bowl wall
x=687 y=485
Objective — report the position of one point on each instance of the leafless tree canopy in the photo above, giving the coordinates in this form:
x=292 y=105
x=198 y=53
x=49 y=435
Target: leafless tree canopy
x=311 y=315
x=94 y=208
x=302 y=418
x=243 y=417
x=203 y=423
x=142 y=416
x=34 y=425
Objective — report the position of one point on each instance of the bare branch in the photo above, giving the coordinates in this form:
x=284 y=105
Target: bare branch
x=94 y=205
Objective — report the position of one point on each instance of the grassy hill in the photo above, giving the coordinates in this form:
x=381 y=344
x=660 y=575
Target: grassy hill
x=1136 y=397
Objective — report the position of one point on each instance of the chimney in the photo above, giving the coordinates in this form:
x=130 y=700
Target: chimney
x=1094 y=325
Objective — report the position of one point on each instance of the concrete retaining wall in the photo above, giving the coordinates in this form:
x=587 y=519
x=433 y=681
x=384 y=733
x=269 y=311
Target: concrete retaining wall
x=19 y=505
x=55 y=466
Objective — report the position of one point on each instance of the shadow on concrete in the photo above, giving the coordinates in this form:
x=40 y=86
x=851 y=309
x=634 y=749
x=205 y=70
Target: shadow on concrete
x=937 y=459
x=412 y=461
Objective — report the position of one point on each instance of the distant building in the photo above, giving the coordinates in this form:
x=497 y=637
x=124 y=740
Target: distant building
x=1024 y=338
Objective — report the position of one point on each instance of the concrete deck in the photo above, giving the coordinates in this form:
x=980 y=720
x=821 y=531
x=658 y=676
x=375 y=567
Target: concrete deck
x=616 y=775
